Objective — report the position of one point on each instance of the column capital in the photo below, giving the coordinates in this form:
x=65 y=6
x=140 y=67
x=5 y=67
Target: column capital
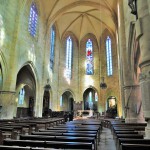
x=144 y=76
x=130 y=86
x=8 y=92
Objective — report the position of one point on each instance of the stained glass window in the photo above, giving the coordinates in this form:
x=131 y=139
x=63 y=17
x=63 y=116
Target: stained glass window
x=33 y=18
x=96 y=97
x=109 y=56
x=52 y=47
x=89 y=58
x=1 y=78
x=61 y=101
x=68 y=70
x=21 y=96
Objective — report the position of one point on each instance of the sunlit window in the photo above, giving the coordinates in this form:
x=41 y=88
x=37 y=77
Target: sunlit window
x=33 y=19
x=52 y=47
x=21 y=96
x=89 y=58
x=90 y=97
x=96 y=97
x=109 y=56
x=68 y=69
x=1 y=78
x=61 y=101
x=2 y=31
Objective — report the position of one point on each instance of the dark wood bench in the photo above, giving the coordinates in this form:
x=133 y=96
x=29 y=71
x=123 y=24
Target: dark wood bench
x=132 y=141
x=124 y=132
x=131 y=136
x=4 y=147
x=60 y=138
x=64 y=134
x=137 y=128
x=49 y=144
x=79 y=129
x=135 y=147
x=67 y=131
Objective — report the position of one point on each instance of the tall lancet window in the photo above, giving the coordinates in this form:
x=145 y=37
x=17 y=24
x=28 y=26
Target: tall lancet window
x=33 y=19
x=52 y=47
x=21 y=96
x=89 y=58
x=68 y=69
x=109 y=56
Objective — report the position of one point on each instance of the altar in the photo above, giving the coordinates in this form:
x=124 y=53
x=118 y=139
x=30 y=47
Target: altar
x=85 y=113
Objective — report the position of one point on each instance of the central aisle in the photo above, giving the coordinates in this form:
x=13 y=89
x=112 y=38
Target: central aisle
x=106 y=141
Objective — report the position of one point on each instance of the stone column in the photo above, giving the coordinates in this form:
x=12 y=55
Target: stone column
x=133 y=111
x=121 y=51
x=8 y=103
x=131 y=89
x=144 y=40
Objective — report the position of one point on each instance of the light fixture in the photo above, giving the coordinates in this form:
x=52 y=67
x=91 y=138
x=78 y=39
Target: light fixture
x=103 y=85
x=47 y=87
x=133 y=5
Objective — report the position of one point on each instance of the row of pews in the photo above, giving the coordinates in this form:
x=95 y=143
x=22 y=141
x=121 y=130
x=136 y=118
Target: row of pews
x=128 y=136
x=11 y=128
x=77 y=134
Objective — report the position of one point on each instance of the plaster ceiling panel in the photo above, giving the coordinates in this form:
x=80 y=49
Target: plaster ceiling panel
x=76 y=27
x=81 y=16
x=60 y=4
x=86 y=27
x=81 y=8
x=65 y=22
x=47 y=6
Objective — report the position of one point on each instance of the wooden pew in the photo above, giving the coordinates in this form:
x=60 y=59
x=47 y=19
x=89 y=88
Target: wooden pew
x=132 y=141
x=49 y=144
x=131 y=136
x=71 y=131
x=84 y=127
x=135 y=147
x=64 y=134
x=137 y=128
x=60 y=138
x=77 y=129
x=67 y=131
x=124 y=132
x=4 y=147
x=36 y=148
x=24 y=143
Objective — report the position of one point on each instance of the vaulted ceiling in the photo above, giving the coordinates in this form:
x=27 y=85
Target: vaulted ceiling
x=81 y=16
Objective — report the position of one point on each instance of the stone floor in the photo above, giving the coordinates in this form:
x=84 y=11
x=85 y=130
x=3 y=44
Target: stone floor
x=106 y=142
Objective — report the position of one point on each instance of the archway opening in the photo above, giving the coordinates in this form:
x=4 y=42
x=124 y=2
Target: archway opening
x=67 y=101
x=25 y=92
x=90 y=98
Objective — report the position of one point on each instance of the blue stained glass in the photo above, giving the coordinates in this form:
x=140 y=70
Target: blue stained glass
x=109 y=56
x=61 y=101
x=89 y=58
x=68 y=58
x=21 y=96
x=52 y=47
x=33 y=18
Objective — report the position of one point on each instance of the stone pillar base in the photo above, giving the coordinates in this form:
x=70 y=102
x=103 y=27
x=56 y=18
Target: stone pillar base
x=147 y=133
x=147 y=130
x=8 y=104
x=131 y=120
